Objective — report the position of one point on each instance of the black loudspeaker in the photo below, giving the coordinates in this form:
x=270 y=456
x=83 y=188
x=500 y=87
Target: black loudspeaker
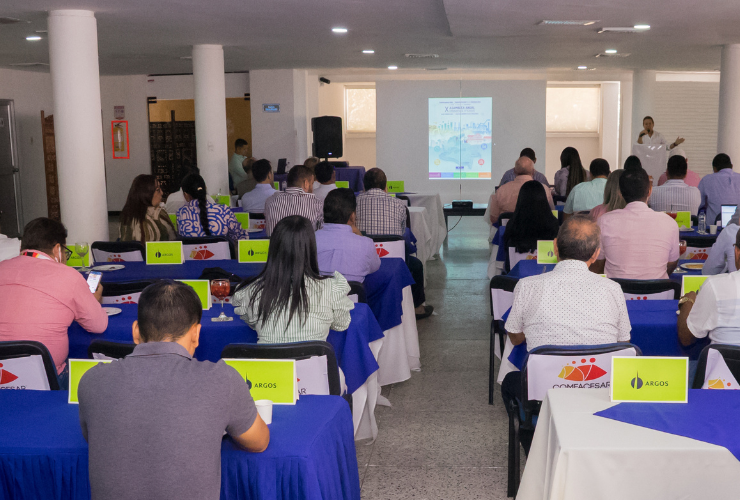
x=327 y=136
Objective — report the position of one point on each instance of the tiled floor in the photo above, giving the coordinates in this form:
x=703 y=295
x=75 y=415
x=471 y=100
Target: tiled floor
x=441 y=439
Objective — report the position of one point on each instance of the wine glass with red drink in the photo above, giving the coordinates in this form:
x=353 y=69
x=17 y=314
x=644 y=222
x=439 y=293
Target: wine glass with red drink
x=220 y=289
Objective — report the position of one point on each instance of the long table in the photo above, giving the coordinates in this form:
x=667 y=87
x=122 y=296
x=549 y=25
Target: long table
x=353 y=175
x=525 y=268
x=311 y=453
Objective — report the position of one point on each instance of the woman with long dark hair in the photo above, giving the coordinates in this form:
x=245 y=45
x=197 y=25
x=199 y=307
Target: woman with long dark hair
x=201 y=217
x=532 y=220
x=289 y=301
x=142 y=217
x=571 y=171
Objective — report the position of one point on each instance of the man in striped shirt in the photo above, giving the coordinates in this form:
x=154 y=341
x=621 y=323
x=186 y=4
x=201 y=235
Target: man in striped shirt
x=298 y=199
x=675 y=195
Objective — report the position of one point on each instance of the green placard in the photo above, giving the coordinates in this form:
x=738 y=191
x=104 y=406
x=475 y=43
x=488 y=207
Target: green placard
x=555 y=213
x=692 y=283
x=395 y=186
x=391 y=195
x=203 y=289
x=243 y=218
x=546 y=252
x=253 y=250
x=164 y=252
x=683 y=219
x=77 y=368
x=650 y=379
x=223 y=199
x=277 y=186
x=76 y=261
x=342 y=184
x=173 y=218
x=273 y=379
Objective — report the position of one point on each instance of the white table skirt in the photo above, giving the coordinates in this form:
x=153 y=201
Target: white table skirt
x=578 y=456
x=364 y=400
x=435 y=217
x=424 y=244
x=399 y=355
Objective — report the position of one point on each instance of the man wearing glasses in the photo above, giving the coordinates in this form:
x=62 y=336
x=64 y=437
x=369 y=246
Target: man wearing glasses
x=40 y=296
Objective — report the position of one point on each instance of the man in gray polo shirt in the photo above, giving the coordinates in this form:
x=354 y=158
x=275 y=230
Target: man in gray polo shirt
x=155 y=419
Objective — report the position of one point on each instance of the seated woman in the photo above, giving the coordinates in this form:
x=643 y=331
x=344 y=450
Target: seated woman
x=532 y=220
x=200 y=217
x=142 y=217
x=289 y=301
x=612 y=197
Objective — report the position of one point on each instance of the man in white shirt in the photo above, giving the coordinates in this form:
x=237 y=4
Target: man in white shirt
x=721 y=257
x=675 y=195
x=326 y=180
x=238 y=161
x=650 y=137
x=176 y=200
x=254 y=200
x=714 y=311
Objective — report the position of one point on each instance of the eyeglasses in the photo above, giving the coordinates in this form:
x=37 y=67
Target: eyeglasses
x=67 y=252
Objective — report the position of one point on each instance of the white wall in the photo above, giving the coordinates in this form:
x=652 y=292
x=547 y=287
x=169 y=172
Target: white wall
x=181 y=86
x=402 y=130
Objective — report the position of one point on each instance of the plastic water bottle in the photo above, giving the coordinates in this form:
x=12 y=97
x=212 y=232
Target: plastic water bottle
x=702 y=222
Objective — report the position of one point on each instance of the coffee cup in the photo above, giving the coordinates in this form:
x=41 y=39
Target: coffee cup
x=264 y=408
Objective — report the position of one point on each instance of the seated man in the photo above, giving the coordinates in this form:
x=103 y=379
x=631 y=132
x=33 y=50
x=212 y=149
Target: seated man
x=297 y=199
x=720 y=188
x=238 y=164
x=339 y=244
x=691 y=179
x=254 y=200
x=675 y=195
x=721 y=258
x=379 y=214
x=154 y=420
x=636 y=242
x=326 y=179
x=568 y=306
x=504 y=199
x=175 y=201
x=589 y=194
x=715 y=310
x=40 y=296
x=510 y=175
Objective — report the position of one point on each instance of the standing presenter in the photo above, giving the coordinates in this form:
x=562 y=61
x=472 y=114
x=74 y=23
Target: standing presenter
x=650 y=137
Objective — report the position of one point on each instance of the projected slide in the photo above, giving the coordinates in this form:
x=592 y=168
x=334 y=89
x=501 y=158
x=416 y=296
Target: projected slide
x=460 y=138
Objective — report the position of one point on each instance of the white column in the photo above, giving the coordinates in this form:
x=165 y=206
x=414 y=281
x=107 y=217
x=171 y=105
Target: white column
x=78 y=127
x=210 y=117
x=728 y=130
x=643 y=100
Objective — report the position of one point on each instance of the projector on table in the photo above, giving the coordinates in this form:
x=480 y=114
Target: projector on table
x=462 y=203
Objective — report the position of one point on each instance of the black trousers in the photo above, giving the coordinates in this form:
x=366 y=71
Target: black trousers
x=511 y=389
x=417 y=272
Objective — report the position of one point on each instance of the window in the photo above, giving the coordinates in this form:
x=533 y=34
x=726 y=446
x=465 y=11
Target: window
x=360 y=110
x=573 y=109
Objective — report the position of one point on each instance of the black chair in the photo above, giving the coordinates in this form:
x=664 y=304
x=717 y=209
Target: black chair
x=556 y=198
x=731 y=355
x=698 y=242
x=505 y=284
x=649 y=287
x=295 y=350
x=115 y=350
x=404 y=198
x=408 y=218
x=357 y=288
x=125 y=288
x=256 y=216
x=24 y=348
x=118 y=247
x=523 y=413
x=505 y=215
x=202 y=240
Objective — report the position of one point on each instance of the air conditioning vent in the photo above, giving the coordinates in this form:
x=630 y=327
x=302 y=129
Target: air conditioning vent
x=569 y=22
x=30 y=64
x=604 y=54
x=12 y=20
x=422 y=56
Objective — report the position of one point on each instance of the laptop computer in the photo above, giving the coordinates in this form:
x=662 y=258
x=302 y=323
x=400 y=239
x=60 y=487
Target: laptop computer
x=727 y=212
x=282 y=165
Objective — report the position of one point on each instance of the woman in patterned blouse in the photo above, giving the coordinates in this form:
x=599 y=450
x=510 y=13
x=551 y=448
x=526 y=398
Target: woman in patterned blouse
x=200 y=217
x=143 y=210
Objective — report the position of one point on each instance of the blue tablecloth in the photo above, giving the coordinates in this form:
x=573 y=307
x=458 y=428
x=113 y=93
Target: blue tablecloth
x=525 y=268
x=708 y=416
x=706 y=239
x=190 y=270
x=384 y=289
x=351 y=347
x=311 y=453
x=353 y=175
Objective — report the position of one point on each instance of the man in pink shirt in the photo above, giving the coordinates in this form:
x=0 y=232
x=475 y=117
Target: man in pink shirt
x=691 y=179
x=636 y=242
x=40 y=296
x=504 y=199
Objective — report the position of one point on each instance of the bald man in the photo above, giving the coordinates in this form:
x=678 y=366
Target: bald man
x=504 y=198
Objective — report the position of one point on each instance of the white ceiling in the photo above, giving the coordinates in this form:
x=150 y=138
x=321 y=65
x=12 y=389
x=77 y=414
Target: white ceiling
x=150 y=36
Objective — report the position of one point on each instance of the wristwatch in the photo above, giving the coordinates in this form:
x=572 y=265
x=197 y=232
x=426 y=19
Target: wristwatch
x=685 y=299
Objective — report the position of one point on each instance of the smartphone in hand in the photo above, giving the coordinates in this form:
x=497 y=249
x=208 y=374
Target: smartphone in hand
x=93 y=279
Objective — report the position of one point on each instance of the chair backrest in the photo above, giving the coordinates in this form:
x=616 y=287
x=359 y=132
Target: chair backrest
x=570 y=367
x=105 y=349
x=357 y=291
x=256 y=220
x=696 y=248
x=27 y=364
x=515 y=257
x=208 y=248
x=649 y=289
x=124 y=293
x=502 y=295
x=718 y=367
x=404 y=198
x=308 y=369
x=117 y=251
x=390 y=246
x=503 y=219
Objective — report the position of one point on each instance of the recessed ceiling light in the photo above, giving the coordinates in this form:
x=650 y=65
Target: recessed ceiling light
x=610 y=51
x=566 y=22
x=339 y=30
x=642 y=26
x=392 y=67
x=582 y=67
x=33 y=38
x=368 y=51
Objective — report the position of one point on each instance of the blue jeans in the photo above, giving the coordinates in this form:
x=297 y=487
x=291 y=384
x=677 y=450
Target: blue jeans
x=64 y=378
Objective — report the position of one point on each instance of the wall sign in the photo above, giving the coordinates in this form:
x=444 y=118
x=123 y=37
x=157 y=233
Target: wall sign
x=271 y=108
x=119 y=112
x=119 y=133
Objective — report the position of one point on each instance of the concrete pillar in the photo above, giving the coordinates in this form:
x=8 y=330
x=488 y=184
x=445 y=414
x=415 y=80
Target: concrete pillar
x=210 y=117
x=728 y=130
x=78 y=127
x=643 y=101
